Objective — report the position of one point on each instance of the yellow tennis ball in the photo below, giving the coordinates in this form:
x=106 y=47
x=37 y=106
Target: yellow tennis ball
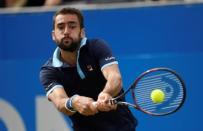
x=157 y=96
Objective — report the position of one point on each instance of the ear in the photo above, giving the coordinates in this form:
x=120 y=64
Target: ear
x=82 y=33
x=53 y=35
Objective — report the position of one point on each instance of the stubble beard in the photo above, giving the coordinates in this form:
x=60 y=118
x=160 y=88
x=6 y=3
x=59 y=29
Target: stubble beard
x=71 y=47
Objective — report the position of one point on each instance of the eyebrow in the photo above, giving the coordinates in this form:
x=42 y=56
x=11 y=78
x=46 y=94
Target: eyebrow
x=70 y=22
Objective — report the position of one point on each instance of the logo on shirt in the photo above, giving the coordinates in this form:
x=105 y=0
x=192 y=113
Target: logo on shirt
x=109 y=58
x=89 y=68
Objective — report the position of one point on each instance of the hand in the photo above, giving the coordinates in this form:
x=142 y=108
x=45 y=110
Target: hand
x=103 y=103
x=84 y=105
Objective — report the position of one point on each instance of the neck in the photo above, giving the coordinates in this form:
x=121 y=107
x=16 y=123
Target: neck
x=69 y=58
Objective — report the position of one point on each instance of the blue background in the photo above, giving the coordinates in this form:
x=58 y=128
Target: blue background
x=140 y=37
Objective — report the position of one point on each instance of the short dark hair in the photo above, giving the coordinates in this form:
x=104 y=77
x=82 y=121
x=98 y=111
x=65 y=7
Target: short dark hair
x=69 y=10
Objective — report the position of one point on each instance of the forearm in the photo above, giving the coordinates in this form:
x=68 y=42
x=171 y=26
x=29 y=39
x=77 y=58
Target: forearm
x=113 y=85
x=61 y=106
x=69 y=105
x=112 y=88
x=59 y=98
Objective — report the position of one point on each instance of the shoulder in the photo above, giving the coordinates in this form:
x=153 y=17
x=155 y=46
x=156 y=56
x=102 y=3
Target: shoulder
x=47 y=67
x=48 y=63
x=48 y=73
x=97 y=44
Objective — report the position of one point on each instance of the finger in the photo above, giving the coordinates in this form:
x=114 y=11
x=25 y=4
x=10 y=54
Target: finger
x=113 y=107
x=105 y=107
x=110 y=106
x=94 y=104
x=88 y=112
x=93 y=107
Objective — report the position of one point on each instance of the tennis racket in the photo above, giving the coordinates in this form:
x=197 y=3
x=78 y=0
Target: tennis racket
x=164 y=79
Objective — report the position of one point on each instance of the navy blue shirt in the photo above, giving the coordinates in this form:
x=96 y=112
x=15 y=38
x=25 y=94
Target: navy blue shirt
x=86 y=79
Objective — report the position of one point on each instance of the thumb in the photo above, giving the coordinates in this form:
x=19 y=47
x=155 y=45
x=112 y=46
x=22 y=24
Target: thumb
x=94 y=104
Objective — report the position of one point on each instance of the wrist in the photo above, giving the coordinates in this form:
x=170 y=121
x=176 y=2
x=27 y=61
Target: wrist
x=103 y=93
x=104 y=96
x=69 y=104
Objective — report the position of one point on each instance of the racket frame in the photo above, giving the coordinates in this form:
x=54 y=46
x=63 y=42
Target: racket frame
x=133 y=87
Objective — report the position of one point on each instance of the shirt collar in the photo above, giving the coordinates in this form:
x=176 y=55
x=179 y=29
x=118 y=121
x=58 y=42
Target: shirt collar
x=56 y=56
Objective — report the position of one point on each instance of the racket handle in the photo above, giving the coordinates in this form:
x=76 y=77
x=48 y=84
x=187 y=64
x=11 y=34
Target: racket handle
x=127 y=104
x=113 y=101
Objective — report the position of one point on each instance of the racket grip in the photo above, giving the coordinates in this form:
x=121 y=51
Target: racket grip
x=127 y=104
x=113 y=101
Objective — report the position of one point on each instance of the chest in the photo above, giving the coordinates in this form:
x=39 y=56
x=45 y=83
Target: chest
x=90 y=86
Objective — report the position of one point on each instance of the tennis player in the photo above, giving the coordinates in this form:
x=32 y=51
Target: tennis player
x=82 y=72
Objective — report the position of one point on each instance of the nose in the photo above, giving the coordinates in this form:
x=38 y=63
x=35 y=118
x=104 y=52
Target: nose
x=66 y=31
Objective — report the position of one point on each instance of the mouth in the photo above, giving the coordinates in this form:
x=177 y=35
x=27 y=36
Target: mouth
x=66 y=40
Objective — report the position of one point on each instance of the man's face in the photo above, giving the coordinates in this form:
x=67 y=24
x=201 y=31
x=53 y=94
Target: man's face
x=67 y=32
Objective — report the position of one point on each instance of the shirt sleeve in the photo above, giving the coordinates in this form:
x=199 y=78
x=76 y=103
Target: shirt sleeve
x=104 y=54
x=49 y=80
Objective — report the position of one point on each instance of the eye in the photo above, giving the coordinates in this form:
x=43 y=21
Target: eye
x=60 y=26
x=72 y=25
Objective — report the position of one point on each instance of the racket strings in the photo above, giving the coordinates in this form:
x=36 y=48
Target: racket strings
x=165 y=81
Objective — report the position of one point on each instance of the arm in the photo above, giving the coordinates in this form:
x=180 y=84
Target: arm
x=80 y=103
x=57 y=95
x=114 y=81
x=59 y=99
x=112 y=88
